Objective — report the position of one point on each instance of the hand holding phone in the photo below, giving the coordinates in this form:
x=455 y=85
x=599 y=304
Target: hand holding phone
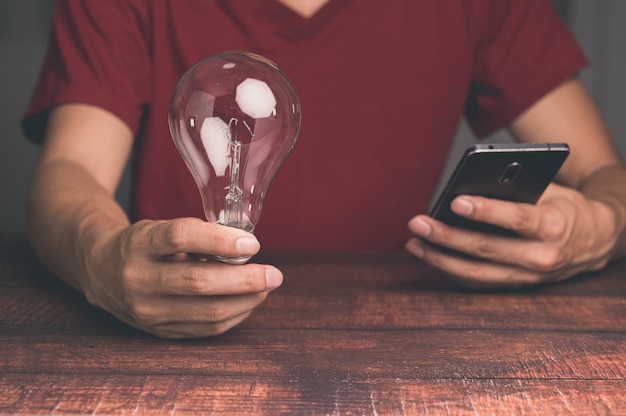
x=514 y=172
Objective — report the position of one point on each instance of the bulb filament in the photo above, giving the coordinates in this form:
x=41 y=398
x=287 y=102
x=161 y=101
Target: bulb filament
x=233 y=203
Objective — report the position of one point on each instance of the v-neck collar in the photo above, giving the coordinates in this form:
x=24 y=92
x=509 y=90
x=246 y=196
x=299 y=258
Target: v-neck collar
x=297 y=27
x=280 y=3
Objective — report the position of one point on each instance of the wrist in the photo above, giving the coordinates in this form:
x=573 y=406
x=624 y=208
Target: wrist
x=614 y=213
x=605 y=189
x=96 y=241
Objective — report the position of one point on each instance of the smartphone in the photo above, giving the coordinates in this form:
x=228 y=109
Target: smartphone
x=516 y=172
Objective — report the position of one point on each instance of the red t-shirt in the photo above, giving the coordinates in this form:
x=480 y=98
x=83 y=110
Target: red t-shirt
x=382 y=86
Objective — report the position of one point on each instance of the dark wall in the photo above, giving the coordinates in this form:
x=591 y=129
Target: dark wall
x=24 y=26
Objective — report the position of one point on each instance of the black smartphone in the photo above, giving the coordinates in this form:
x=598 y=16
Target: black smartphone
x=516 y=172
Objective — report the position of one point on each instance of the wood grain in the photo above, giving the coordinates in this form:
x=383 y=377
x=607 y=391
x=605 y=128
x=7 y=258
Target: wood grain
x=348 y=333
x=82 y=394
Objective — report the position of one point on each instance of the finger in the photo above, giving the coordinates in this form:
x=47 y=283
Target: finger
x=472 y=272
x=192 y=235
x=470 y=242
x=181 y=330
x=193 y=309
x=212 y=278
x=193 y=330
x=522 y=218
x=516 y=251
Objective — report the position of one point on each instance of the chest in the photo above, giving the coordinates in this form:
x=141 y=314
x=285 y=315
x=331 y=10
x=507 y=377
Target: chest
x=368 y=58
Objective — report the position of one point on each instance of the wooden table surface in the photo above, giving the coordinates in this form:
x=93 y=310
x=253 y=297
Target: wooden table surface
x=347 y=333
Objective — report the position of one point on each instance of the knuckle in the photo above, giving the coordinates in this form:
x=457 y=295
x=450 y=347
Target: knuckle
x=131 y=279
x=520 y=220
x=196 y=280
x=484 y=248
x=554 y=227
x=132 y=287
x=549 y=260
x=140 y=312
x=176 y=236
x=254 y=279
x=220 y=236
x=441 y=233
x=132 y=243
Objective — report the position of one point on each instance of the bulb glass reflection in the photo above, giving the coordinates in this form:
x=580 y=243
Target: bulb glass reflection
x=234 y=117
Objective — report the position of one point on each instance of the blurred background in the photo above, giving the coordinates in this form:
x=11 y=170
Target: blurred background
x=24 y=25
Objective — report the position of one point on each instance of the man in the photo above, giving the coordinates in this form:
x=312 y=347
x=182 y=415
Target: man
x=382 y=89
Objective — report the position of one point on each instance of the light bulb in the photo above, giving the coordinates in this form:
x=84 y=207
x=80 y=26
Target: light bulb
x=234 y=117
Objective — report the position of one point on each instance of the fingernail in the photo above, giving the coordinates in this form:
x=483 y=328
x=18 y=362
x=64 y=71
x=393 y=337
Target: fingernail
x=247 y=246
x=273 y=277
x=421 y=227
x=462 y=206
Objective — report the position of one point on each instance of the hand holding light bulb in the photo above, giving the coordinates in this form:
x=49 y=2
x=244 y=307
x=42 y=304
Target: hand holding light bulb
x=234 y=118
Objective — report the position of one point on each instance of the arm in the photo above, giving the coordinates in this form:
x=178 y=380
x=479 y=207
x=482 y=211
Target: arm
x=141 y=273
x=594 y=167
x=577 y=226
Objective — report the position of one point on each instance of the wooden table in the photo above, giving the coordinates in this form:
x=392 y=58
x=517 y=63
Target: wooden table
x=348 y=333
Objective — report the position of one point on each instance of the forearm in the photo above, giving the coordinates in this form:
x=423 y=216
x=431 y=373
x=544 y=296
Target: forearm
x=608 y=186
x=134 y=271
x=68 y=212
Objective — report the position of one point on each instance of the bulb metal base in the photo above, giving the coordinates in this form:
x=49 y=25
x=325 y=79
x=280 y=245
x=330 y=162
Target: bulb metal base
x=233 y=260
x=242 y=225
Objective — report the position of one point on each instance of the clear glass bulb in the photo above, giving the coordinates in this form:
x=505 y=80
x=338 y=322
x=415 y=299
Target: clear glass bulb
x=234 y=117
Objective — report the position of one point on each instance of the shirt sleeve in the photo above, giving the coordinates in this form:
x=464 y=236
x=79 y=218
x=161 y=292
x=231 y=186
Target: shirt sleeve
x=524 y=51
x=97 y=54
